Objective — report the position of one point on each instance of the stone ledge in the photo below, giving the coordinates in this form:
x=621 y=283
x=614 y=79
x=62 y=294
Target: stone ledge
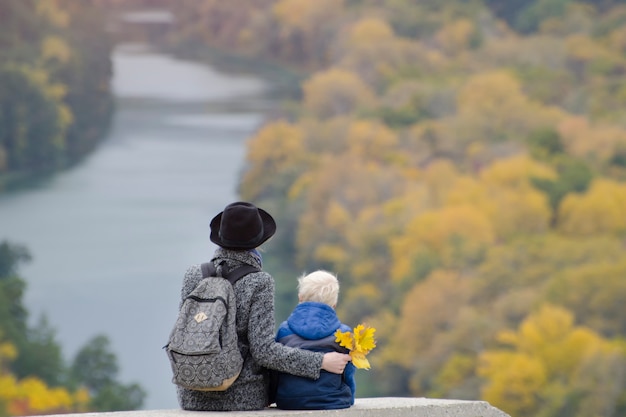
x=364 y=407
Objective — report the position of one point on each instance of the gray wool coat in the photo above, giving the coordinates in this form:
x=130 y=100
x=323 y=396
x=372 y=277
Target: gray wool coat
x=255 y=330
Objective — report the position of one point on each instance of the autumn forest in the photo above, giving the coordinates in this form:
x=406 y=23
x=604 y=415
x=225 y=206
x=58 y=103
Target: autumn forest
x=461 y=166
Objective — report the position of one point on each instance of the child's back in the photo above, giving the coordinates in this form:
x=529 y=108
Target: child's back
x=312 y=326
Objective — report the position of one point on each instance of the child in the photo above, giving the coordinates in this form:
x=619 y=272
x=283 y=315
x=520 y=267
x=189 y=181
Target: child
x=312 y=326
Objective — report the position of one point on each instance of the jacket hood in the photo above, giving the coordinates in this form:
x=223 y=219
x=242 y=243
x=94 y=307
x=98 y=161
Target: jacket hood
x=312 y=320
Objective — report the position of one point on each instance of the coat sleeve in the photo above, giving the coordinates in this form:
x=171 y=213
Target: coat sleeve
x=264 y=349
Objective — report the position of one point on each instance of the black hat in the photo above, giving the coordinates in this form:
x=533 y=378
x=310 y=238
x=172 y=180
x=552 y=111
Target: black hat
x=242 y=226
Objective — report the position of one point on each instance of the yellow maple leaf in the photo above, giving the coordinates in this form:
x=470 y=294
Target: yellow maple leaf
x=344 y=339
x=364 y=338
x=359 y=360
x=359 y=343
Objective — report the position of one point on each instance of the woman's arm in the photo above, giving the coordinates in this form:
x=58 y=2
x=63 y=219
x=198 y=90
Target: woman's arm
x=273 y=355
x=264 y=349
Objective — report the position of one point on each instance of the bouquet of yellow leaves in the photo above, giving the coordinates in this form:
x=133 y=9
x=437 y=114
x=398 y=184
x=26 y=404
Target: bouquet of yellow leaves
x=359 y=343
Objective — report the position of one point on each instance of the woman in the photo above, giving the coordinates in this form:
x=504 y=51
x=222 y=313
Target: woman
x=238 y=231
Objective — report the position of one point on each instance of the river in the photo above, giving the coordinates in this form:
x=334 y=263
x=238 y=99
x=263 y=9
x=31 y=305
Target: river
x=112 y=237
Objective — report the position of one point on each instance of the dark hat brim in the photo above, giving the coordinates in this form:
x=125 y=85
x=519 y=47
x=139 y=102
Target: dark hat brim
x=269 y=229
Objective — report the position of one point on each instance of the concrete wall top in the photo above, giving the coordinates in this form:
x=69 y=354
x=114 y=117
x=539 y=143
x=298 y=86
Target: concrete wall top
x=363 y=407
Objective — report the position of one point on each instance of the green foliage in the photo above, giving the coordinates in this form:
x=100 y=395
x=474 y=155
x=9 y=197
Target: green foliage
x=118 y=397
x=40 y=355
x=95 y=366
x=574 y=176
x=545 y=144
x=11 y=256
x=530 y=18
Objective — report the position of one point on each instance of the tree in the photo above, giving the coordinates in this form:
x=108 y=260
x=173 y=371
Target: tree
x=493 y=106
x=594 y=143
x=336 y=92
x=33 y=117
x=602 y=209
x=30 y=395
x=307 y=29
x=370 y=49
x=594 y=293
x=548 y=364
x=278 y=150
x=95 y=367
x=55 y=100
x=529 y=18
x=456 y=236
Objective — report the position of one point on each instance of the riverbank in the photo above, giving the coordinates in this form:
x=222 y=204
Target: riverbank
x=284 y=81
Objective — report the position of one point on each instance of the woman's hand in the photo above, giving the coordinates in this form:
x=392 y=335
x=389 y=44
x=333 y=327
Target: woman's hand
x=335 y=362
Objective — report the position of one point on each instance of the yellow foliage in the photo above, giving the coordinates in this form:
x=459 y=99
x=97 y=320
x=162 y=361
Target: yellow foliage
x=493 y=105
x=337 y=217
x=522 y=212
x=617 y=39
x=602 y=209
x=597 y=302
x=360 y=342
x=456 y=36
x=369 y=30
x=335 y=254
x=8 y=387
x=371 y=140
x=32 y=396
x=583 y=48
x=590 y=140
x=516 y=172
x=8 y=352
x=41 y=398
x=439 y=177
x=506 y=196
x=370 y=49
x=53 y=47
x=514 y=381
x=441 y=232
x=548 y=354
x=304 y=15
x=278 y=148
x=276 y=145
x=52 y=13
x=457 y=368
x=336 y=92
x=437 y=302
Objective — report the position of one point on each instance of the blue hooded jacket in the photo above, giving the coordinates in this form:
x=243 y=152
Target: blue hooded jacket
x=312 y=326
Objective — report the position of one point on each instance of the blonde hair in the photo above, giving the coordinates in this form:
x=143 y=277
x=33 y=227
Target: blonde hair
x=320 y=286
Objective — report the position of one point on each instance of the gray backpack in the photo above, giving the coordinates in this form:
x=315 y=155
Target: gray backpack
x=202 y=347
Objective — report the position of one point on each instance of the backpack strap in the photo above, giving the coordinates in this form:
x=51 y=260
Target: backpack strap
x=208 y=270
x=240 y=272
